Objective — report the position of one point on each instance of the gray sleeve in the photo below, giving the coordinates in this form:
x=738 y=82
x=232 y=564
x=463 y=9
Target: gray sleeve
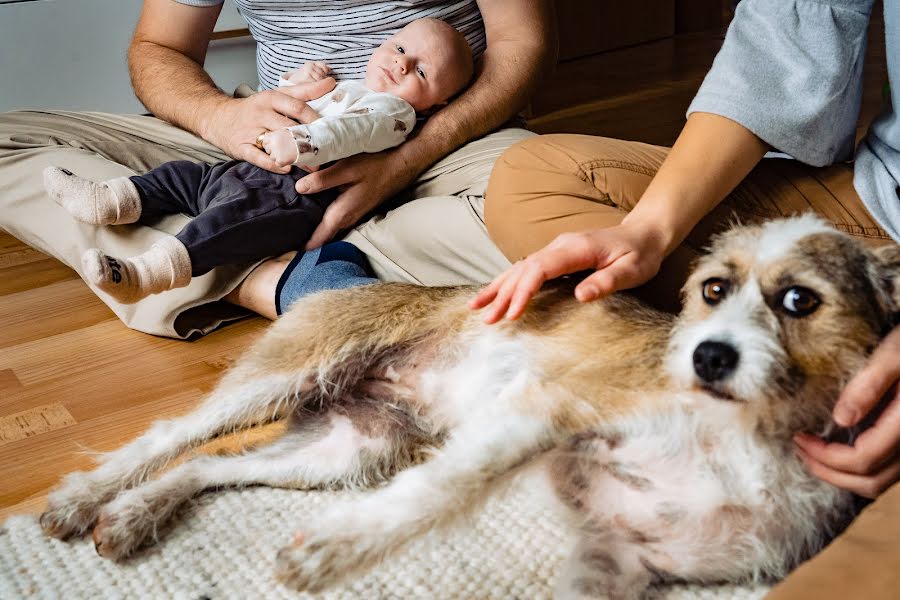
x=200 y=2
x=790 y=71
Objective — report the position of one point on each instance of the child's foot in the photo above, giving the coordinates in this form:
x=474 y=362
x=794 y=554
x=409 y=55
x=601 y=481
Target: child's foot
x=113 y=202
x=165 y=266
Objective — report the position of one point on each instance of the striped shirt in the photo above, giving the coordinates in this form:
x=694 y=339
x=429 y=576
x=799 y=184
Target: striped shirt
x=341 y=33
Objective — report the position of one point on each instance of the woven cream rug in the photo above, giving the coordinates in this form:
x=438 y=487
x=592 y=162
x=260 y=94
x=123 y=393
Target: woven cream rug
x=224 y=545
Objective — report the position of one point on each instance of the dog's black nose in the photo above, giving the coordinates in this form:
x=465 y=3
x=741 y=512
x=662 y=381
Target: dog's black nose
x=714 y=360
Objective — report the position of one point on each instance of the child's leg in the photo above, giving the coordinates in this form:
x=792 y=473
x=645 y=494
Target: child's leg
x=174 y=187
x=243 y=213
x=113 y=202
x=249 y=213
x=165 y=266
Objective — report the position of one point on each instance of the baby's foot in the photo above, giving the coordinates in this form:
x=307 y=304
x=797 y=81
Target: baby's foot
x=165 y=266
x=113 y=202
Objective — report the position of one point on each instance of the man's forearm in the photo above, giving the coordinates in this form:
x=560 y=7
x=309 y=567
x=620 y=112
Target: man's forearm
x=172 y=86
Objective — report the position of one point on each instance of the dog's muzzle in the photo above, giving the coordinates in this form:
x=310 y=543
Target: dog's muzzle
x=714 y=361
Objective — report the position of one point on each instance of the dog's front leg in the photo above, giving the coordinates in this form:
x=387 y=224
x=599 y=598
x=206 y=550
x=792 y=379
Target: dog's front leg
x=480 y=454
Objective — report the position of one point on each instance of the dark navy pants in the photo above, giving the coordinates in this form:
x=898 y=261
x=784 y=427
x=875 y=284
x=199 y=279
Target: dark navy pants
x=241 y=213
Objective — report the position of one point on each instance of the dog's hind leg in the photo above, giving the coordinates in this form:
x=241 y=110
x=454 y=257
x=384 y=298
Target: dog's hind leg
x=607 y=568
x=238 y=402
x=483 y=452
x=346 y=446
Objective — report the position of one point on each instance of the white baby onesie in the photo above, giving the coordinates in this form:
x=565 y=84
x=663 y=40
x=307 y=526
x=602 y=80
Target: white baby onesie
x=354 y=119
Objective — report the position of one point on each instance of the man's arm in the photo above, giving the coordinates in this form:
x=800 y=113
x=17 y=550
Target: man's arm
x=165 y=60
x=521 y=48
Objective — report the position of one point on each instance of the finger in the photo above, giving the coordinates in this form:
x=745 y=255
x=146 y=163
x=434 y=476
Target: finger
x=334 y=219
x=868 y=386
x=488 y=292
x=275 y=121
x=871 y=450
x=500 y=305
x=866 y=486
x=597 y=285
x=264 y=161
x=528 y=285
x=309 y=91
x=324 y=179
x=296 y=110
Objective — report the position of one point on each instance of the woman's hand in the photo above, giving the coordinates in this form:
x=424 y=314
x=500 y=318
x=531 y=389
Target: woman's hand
x=239 y=122
x=622 y=257
x=872 y=464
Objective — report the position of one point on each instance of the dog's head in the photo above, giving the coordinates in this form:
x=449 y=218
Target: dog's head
x=780 y=316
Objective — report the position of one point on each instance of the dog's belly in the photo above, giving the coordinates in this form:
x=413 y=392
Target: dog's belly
x=683 y=498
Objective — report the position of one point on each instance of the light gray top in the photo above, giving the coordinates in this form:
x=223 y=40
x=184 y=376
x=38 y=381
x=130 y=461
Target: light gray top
x=790 y=71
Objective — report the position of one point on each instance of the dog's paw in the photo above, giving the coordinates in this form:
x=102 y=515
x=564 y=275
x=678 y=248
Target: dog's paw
x=316 y=562
x=117 y=536
x=72 y=508
x=130 y=521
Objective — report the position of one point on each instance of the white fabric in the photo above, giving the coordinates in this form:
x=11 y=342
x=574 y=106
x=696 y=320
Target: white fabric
x=224 y=547
x=353 y=119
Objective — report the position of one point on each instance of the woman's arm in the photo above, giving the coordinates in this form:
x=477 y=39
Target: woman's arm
x=711 y=156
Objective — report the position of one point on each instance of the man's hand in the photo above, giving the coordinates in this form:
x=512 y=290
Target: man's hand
x=239 y=121
x=365 y=181
x=872 y=464
x=622 y=257
x=309 y=73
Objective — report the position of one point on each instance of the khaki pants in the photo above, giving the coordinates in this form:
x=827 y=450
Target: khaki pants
x=551 y=184
x=439 y=239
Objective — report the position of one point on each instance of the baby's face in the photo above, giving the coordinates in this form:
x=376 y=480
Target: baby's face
x=423 y=63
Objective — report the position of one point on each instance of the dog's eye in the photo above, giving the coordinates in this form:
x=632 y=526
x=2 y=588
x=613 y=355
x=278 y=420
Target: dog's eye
x=799 y=301
x=715 y=290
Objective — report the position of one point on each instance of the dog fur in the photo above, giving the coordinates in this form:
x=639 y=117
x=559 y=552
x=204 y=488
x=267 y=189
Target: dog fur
x=675 y=463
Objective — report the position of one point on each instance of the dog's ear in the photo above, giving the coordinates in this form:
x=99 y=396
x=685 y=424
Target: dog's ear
x=885 y=273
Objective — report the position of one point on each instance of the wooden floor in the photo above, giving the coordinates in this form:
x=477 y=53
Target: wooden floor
x=73 y=379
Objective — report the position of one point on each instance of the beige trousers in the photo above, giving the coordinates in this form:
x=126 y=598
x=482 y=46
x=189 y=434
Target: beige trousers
x=551 y=184
x=439 y=239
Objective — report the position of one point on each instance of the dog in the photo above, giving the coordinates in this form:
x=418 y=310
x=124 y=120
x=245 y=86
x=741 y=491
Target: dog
x=667 y=438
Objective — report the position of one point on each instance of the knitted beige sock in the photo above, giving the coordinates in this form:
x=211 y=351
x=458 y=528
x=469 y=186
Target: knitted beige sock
x=113 y=202
x=165 y=266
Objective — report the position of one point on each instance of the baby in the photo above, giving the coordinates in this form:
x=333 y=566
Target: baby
x=243 y=213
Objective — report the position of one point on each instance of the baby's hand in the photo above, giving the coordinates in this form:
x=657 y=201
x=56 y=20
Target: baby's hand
x=308 y=73
x=280 y=145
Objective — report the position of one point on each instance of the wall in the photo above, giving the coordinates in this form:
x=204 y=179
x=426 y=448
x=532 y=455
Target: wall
x=70 y=54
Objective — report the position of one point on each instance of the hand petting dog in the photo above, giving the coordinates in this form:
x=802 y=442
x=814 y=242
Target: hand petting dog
x=624 y=257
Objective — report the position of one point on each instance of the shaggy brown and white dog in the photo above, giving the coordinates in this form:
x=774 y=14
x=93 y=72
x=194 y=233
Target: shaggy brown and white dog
x=669 y=439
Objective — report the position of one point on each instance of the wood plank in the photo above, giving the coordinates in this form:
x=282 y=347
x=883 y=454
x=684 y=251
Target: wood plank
x=34 y=421
x=49 y=309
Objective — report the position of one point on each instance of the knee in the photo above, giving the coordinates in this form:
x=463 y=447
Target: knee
x=518 y=186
